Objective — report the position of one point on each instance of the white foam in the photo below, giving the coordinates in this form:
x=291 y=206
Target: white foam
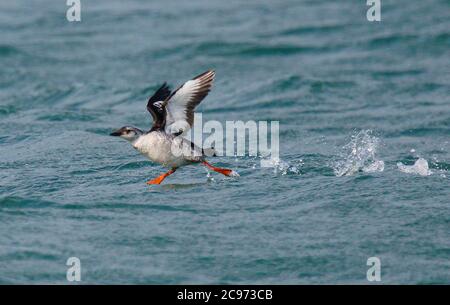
x=420 y=167
x=283 y=167
x=234 y=174
x=376 y=166
x=209 y=176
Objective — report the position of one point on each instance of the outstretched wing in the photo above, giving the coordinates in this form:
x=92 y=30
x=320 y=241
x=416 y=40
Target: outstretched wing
x=156 y=106
x=181 y=103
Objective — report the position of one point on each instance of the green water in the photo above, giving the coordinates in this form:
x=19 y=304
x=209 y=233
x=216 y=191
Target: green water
x=357 y=101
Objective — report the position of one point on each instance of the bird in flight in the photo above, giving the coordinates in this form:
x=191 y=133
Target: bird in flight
x=173 y=115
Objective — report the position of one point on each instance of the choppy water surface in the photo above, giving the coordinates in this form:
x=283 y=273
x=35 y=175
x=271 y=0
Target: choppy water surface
x=364 y=129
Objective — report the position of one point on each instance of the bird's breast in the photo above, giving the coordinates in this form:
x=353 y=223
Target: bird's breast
x=156 y=146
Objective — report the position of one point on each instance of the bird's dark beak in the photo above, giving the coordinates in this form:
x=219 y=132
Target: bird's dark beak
x=115 y=133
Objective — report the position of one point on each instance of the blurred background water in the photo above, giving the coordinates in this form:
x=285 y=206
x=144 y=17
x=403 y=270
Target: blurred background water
x=358 y=104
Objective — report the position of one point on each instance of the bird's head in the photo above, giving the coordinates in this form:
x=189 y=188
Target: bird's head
x=128 y=133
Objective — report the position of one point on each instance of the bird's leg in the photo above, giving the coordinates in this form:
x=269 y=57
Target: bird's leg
x=223 y=171
x=160 y=179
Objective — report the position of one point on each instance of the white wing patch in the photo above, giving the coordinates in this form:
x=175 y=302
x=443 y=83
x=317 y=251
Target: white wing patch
x=180 y=107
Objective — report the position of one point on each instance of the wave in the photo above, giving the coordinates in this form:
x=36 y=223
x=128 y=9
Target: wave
x=18 y=202
x=319 y=29
x=255 y=50
x=391 y=39
x=424 y=131
x=8 y=50
x=397 y=73
x=7 y=109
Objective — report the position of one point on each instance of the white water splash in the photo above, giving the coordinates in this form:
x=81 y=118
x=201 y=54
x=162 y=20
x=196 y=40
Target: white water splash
x=420 y=167
x=283 y=167
x=376 y=166
x=234 y=174
x=359 y=155
x=209 y=177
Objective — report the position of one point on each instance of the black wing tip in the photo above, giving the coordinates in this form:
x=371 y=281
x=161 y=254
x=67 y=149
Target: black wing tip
x=164 y=88
x=161 y=94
